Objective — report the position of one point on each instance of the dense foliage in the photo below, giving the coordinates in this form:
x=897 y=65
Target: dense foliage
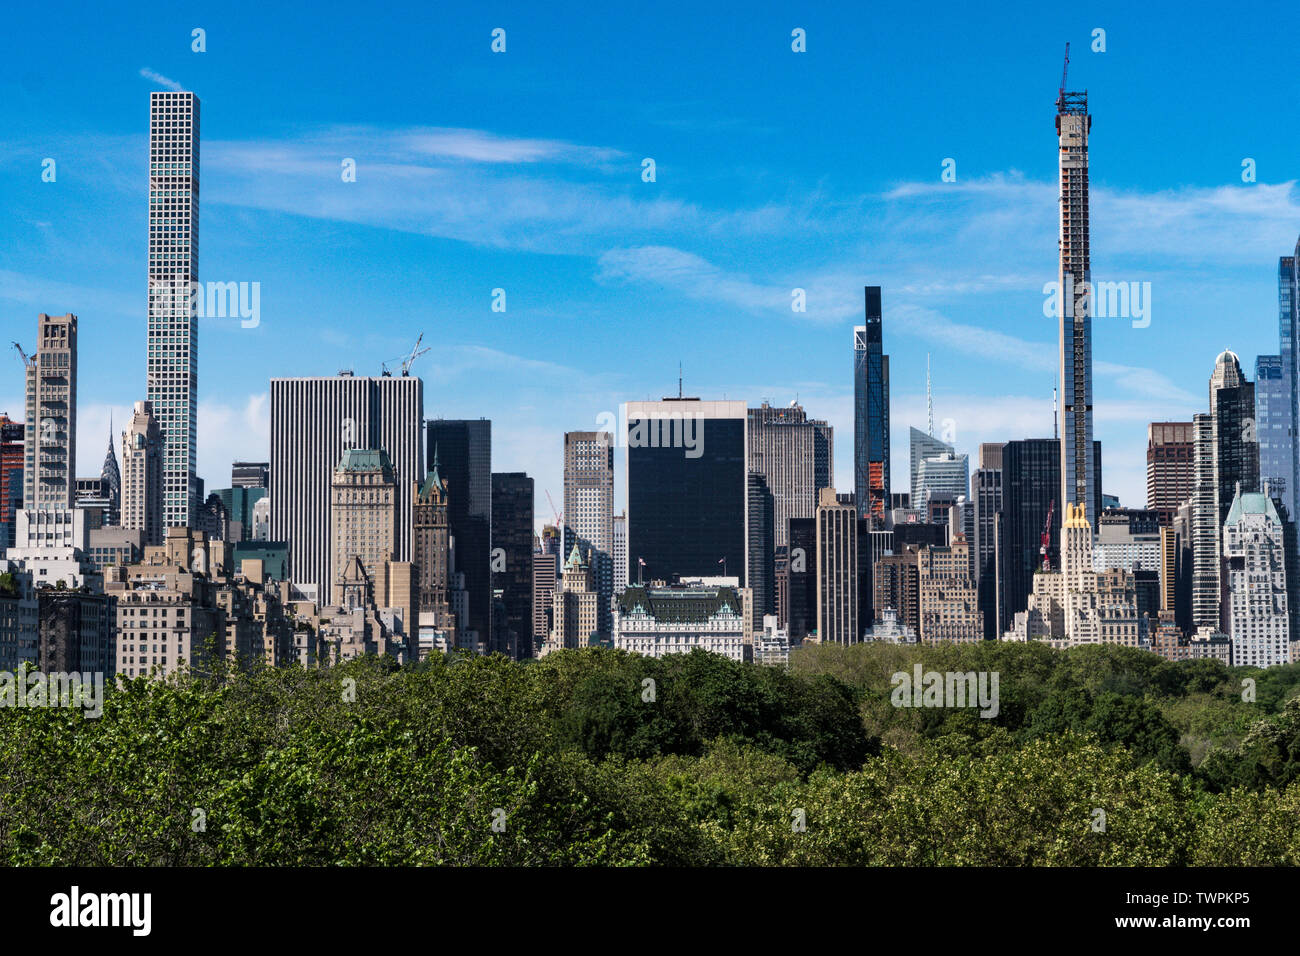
x=1097 y=756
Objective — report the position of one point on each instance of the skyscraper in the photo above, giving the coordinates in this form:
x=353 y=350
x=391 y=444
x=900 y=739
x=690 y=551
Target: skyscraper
x=871 y=410
x=1205 y=530
x=795 y=456
x=250 y=474
x=464 y=450
x=573 y=618
x=589 y=509
x=620 y=552
x=837 y=570
x=896 y=579
x=687 y=488
x=1171 y=474
x=1227 y=461
x=363 y=520
x=547 y=564
x=986 y=501
x=431 y=552
x=1288 y=301
x=1236 y=434
x=11 y=476
x=142 y=488
x=313 y=422
x=921 y=446
x=111 y=478
x=948 y=600
x=1273 y=426
x=173 y=334
x=1256 y=616
x=1030 y=485
x=762 y=551
x=50 y=454
x=1079 y=482
x=801 y=574
x=942 y=476
x=512 y=546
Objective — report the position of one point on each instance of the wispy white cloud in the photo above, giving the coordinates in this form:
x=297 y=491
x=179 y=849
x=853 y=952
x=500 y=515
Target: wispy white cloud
x=483 y=147
x=159 y=79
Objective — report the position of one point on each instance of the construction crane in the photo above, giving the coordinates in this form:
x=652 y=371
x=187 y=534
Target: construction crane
x=28 y=361
x=406 y=360
x=559 y=515
x=1065 y=71
x=1046 y=540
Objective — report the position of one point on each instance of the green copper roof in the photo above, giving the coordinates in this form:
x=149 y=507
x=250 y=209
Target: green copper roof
x=680 y=604
x=365 y=459
x=1251 y=503
x=575 y=558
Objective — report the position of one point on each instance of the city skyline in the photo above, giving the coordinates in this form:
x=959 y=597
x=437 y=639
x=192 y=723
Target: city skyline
x=267 y=168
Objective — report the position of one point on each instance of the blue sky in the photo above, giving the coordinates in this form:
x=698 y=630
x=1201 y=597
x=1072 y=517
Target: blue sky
x=775 y=170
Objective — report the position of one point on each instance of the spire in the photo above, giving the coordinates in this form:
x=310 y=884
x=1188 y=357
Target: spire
x=929 y=397
x=110 y=475
x=433 y=480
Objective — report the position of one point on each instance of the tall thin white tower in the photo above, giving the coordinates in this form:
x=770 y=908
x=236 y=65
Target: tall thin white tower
x=173 y=335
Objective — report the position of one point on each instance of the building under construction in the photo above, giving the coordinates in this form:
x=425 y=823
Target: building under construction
x=1079 y=479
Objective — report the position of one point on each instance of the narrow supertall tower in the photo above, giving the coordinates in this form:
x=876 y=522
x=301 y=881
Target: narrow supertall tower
x=871 y=411
x=1078 y=475
x=173 y=335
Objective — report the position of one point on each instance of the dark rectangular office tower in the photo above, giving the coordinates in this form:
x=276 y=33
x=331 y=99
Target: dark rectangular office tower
x=871 y=412
x=464 y=449
x=762 y=549
x=687 y=489
x=986 y=495
x=1031 y=485
x=866 y=584
x=250 y=474
x=802 y=572
x=512 y=554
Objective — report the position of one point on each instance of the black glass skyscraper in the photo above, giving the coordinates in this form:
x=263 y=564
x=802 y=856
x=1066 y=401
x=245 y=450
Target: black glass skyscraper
x=1031 y=485
x=803 y=577
x=871 y=411
x=512 y=565
x=464 y=449
x=686 y=489
x=762 y=549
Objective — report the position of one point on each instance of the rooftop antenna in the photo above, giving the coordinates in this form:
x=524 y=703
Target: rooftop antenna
x=1056 y=424
x=679 y=378
x=929 y=397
